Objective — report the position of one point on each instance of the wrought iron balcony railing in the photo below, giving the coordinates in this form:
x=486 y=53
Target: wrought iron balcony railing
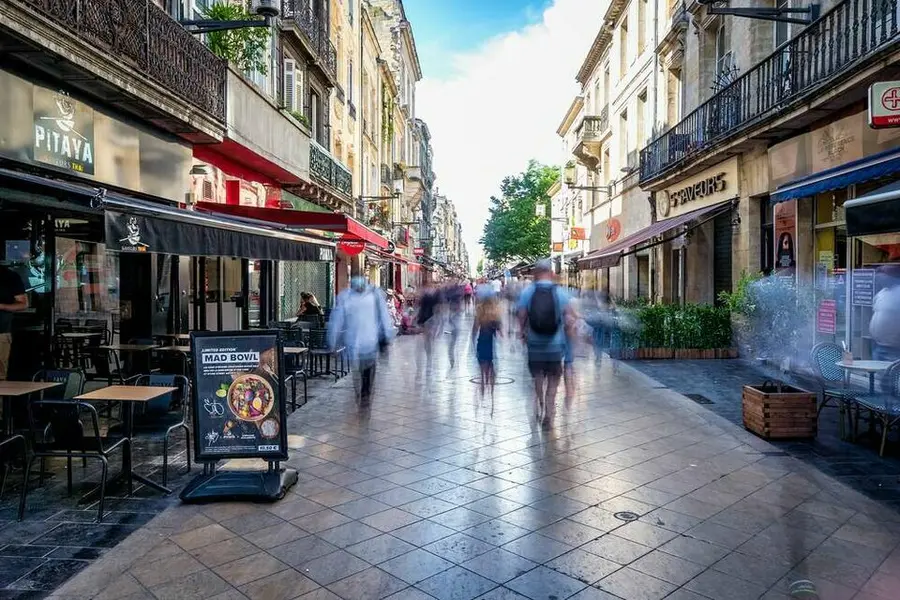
x=301 y=13
x=326 y=169
x=141 y=34
x=386 y=175
x=852 y=33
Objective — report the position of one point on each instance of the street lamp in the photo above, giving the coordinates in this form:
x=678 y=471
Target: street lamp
x=267 y=9
x=569 y=179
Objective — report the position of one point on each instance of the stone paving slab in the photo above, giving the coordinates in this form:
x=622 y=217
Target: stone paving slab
x=635 y=493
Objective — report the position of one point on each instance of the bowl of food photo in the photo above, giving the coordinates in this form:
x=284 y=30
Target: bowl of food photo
x=250 y=397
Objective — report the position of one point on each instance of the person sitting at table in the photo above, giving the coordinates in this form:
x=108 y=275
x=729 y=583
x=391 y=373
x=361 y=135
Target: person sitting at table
x=12 y=300
x=310 y=309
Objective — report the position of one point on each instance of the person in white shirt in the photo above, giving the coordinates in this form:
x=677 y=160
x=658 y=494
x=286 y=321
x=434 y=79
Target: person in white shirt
x=361 y=323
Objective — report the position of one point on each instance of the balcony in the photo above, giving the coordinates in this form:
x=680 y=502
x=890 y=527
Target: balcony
x=589 y=138
x=129 y=54
x=377 y=215
x=298 y=16
x=805 y=79
x=387 y=178
x=324 y=168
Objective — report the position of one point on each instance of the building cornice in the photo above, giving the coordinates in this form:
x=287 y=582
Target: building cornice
x=601 y=42
x=571 y=115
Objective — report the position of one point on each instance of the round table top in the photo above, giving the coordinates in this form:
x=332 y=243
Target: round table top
x=871 y=366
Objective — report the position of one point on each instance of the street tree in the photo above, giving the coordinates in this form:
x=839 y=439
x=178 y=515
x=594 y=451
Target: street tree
x=513 y=231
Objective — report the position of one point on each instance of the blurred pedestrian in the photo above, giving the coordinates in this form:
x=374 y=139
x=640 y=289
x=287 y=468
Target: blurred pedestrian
x=361 y=324
x=468 y=293
x=488 y=325
x=453 y=301
x=429 y=319
x=13 y=299
x=543 y=310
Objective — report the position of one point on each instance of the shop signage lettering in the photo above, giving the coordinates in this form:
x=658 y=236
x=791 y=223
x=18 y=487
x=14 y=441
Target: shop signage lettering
x=419 y=251
x=351 y=247
x=63 y=131
x=863 y=291
x=132 y=240
x=325 y=254
x=705 y=187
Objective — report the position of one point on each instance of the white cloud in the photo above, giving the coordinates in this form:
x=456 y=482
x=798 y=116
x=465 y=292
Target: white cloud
x=501 y=104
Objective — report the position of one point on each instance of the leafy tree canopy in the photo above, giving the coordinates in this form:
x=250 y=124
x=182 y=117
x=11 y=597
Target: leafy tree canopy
x=245 y=48
x=513 y=232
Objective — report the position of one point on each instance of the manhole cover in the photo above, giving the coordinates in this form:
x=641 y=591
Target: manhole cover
x=497 y=381
x=699 y=398
x=626 y=516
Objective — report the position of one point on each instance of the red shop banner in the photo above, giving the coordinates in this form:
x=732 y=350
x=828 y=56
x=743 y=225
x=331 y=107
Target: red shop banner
x=351 y=246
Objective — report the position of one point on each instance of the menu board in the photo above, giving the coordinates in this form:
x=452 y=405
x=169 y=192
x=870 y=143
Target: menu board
x=863 y=291
x=239 y=409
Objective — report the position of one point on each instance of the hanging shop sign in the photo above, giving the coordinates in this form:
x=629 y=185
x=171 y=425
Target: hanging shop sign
x=557 y=247
x=613 y=229
x=351 y=247
x=419 y=251
x=863 y=290
x=577 y=233
x=712 y=186
x=63 y=131
x=884 y=104
x=239 y=409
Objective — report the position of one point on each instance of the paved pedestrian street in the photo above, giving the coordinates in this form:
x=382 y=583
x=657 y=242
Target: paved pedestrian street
x=636 y=493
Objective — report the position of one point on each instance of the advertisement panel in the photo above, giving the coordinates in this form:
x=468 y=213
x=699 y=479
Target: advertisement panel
x=239 y=395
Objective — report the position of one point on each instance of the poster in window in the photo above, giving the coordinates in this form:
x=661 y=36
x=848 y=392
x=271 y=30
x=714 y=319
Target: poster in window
x=786 y=239
x=239 y=409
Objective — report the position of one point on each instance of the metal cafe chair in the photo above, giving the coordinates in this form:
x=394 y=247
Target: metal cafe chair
x=824 y=357
x=8 y=447
x=319 y=352
x=165 y=414
x=73 y=385
x=295 y=365
x=882 y=407
x=63 y=436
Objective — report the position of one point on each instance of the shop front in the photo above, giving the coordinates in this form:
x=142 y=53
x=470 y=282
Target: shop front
x=687 y=254
x=93 y=226
x=835 y=230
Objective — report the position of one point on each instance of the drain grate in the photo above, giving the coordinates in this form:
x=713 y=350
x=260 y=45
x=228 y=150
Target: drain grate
x=699 y=398
x=626 y=516
x=498 y=381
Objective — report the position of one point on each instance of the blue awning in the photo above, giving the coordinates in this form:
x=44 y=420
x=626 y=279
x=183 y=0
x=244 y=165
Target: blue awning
x=858 y=171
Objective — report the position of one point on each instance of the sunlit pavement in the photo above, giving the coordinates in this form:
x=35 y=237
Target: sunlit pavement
x=635 y=492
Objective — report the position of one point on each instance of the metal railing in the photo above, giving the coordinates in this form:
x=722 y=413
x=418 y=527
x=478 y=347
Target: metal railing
x=326 y=169
x=386 y=175
x=593 y=126
x=315 y=30
x=851 y=33
x=141 y=34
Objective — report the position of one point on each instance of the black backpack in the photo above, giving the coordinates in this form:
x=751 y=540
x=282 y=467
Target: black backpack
x=543 y=312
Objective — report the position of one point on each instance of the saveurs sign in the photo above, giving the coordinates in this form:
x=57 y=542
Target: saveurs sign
x=711 y=187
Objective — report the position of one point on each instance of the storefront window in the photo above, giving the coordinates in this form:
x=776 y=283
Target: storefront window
x=87 y=285
x=295 y=277
x=875 y=331
x=830 y=276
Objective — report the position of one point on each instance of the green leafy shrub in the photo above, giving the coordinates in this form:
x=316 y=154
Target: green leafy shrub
x=696 y=326
x=245 y=48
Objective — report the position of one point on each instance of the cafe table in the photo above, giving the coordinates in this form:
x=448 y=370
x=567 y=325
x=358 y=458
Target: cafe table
x=132 y=348
x=129 y=395
x=295 y=350
x=869 y=367
x=19 y=389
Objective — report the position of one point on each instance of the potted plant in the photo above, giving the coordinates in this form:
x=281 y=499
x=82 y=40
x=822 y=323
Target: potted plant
x=770 y=316
x=245 y=48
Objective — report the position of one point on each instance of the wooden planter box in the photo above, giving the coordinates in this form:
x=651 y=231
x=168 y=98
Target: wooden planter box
x=779 y=411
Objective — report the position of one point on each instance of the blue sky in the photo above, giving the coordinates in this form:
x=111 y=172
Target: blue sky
x=449 y=27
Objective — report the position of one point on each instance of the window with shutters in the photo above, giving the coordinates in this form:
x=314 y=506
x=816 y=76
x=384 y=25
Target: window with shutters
x=291 y=100
x=207 y=190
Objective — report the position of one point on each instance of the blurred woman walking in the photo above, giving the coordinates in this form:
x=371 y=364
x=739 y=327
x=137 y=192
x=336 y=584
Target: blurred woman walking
x=488 y=325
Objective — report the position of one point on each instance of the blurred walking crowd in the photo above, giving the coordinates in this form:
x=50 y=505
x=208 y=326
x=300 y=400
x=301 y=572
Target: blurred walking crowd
x=548 y=321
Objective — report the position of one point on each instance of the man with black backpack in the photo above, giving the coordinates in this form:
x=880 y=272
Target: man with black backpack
x=544 y=311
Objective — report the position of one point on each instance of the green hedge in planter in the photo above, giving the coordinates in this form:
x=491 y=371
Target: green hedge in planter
x=696 y=326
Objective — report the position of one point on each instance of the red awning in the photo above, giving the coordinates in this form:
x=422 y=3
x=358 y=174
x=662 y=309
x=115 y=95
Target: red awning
x=610 y=256
x=301 y=219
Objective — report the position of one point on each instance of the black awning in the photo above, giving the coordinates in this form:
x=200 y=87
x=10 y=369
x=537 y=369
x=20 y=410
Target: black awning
x=878 y=212
x=142 y=228
x=138 y=225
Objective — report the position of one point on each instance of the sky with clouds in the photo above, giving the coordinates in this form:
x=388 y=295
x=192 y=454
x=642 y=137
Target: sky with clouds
x=499 y=76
